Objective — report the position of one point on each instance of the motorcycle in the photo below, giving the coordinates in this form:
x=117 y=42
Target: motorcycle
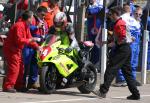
x=62 y=68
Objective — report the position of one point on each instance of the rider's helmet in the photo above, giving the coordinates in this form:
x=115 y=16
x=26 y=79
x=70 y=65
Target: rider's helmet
x=60 y=20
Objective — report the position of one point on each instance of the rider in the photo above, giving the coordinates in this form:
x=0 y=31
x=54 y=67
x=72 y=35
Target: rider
x=65 y=31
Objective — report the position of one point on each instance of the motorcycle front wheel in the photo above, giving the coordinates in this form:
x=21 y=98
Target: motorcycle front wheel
x=48 y=78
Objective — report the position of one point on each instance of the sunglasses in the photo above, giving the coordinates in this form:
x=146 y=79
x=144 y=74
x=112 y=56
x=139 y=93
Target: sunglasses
x=138 y=14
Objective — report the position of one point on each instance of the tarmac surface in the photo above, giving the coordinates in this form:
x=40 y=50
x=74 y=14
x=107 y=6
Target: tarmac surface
x=72 y=95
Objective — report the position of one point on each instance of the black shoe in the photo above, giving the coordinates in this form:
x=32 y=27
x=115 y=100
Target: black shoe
x=120 y=84
x=24 y=90
x=132 y=97
x=137 y=83
x=11 y=90
x=99 y=94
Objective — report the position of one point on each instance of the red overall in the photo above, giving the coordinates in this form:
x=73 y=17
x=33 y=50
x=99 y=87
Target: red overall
x=18 y=36
x=22 y=5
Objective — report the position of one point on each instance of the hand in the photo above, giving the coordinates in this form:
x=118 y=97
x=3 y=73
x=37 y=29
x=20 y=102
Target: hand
x=3 y=36
x=112 y=44
x=110 y=32
x=35 y=39
x=100 y=43
x=133 y=39
x=40 y=25
x=68 y=50
x=40 y=49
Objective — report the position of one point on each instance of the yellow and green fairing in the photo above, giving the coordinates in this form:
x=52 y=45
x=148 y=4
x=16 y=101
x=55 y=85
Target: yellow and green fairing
x=51 y=55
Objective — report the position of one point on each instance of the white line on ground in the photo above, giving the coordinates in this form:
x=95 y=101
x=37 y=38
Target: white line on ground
x=67 y=100
x=126 y=96
x=80 y=99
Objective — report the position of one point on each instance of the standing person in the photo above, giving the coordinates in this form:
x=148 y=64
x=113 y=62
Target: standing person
x=18 y=36
x=120 y=58
x=134 y=30
x=11 y=12
x=52 y=8
x=135 y=45
x=93 y=25
x=148 y=61
x=22 y=5
x=38 y=29
x=33 y=5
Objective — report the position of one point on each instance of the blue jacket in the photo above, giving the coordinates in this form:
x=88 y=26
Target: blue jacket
x=92 y=11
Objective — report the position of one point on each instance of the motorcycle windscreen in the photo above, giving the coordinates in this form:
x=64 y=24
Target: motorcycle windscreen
x=64 y=65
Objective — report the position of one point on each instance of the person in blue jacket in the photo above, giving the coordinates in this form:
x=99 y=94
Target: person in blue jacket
x=135 y=46
x=39 y=29
x=148 y=61
x=93 y=25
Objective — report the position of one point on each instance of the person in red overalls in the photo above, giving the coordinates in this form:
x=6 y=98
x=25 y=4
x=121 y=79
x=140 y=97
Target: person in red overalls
x=18 y=36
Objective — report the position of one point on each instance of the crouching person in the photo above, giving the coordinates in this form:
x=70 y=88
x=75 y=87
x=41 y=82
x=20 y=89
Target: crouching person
x=18 y=36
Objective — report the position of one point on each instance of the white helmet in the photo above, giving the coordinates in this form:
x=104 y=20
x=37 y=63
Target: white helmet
x=60 y=19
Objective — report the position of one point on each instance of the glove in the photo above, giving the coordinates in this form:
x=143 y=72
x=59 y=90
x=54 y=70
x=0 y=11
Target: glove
x=61 y=50
x=35 y=39
x=68 y=50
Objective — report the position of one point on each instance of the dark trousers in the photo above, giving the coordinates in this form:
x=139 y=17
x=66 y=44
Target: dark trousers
x=95 y=51
x=121 y=58
x=31 y=66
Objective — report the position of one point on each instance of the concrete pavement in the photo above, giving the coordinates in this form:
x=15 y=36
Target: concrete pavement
x=138 y=77
x=72 y=95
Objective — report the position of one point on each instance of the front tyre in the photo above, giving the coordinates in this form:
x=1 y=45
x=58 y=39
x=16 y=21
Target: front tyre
x=48 y=77
x=91 y=80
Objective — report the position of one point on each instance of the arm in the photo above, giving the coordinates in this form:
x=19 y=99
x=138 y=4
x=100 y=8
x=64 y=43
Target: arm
x=121 y=33
x=97 y=39
x=70 y=31
x=33 y=45
x=22 y=39
x=74 y=42
x=33 y=27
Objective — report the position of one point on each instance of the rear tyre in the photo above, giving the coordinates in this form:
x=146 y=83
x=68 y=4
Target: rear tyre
x=91 y=80
x=48 y=77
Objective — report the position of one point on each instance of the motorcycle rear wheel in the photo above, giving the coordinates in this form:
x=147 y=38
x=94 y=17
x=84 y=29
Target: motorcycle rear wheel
x=91 y=81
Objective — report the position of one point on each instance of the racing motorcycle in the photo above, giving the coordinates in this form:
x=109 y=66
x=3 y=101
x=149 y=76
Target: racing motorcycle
x=62 y=68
